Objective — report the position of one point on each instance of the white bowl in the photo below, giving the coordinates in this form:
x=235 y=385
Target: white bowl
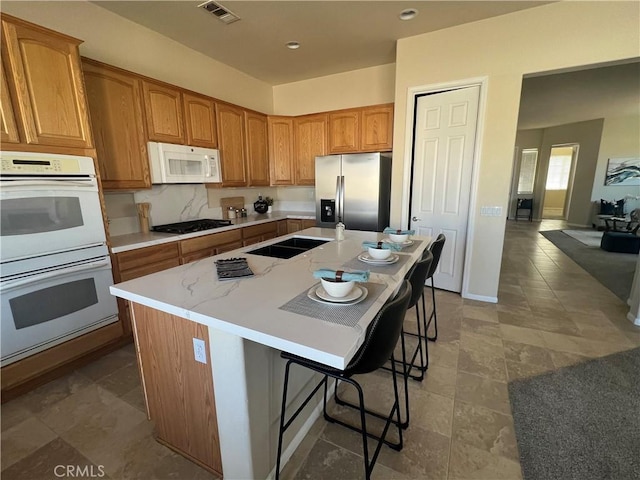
x=379 y=253
x=396 y=238
x=335 y=288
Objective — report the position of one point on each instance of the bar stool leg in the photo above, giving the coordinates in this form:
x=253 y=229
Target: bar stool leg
x=433 y=316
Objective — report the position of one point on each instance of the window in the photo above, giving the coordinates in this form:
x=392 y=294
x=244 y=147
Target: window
x=559 y=170
x=527 y=177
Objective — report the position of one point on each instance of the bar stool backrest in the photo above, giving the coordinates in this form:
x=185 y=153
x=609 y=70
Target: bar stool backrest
x=418 y=275
x=436 y=249
x=382 y=334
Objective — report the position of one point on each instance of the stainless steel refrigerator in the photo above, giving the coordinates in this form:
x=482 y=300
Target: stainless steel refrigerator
x=355 y=189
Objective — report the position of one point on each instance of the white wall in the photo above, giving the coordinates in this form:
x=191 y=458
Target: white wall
x=114 y=40
x=587 y=135
x=357 y=88
x=620 y=139
x=503 y=49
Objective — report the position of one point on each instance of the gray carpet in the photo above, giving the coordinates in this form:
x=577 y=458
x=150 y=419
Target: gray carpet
x=580 y=422
x=614 y=270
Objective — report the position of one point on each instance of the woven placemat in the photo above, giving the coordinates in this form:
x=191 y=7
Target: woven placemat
x=392 y=269
x=346 y=315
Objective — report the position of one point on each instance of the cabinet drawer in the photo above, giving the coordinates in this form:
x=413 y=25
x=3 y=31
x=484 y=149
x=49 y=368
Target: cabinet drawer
x=209 y=241
x=199 y=255
x=228 y=247
x=259 y=230
x=142 y=257
x=148 y=269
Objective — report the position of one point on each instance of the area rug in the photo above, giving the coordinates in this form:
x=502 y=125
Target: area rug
x=613 y=270
x=591 y=238
x=580 y=422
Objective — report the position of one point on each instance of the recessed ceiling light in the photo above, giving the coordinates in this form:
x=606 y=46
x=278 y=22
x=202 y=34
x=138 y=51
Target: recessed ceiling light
x=293 y=45
x=408 y=14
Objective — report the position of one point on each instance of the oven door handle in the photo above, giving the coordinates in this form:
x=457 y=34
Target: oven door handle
x=13 y=284
x=48 y=183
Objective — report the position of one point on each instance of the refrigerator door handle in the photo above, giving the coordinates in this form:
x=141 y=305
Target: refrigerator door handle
x=338 y=211
x=342 y=198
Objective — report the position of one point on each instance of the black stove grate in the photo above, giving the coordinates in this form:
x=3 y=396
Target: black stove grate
x=191 y=226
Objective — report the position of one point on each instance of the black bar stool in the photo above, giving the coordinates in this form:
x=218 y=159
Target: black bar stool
x=434 y=251
x=379 y=344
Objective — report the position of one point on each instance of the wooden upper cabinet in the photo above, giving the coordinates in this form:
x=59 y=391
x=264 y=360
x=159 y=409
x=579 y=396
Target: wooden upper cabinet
x=366 y=129
x=115 y=103
x=163 y=109
x=200 y=120
x=377 y=129
x=44 y=69
x=281 y=150
x=231 y=144
x=257 y=148
x=344 y=131
x=9 y=129
x=310 y=141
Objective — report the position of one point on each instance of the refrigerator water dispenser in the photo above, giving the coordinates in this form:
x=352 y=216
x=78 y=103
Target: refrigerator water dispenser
x=327 y=210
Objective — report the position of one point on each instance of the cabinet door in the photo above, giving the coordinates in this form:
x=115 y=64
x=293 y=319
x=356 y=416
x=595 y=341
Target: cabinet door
x=281 y=150
x=9 y=130
x=163 y=109
x=310 y=142
x=282 y=228
x=344 y=131
x=231 y=140
x=293 y=225
x=200 y=120
x=115 y=103
x=257 y=148
x=377 y=129
x=44 y=68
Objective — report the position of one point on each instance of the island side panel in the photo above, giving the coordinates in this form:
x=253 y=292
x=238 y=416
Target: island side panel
x=178 y=389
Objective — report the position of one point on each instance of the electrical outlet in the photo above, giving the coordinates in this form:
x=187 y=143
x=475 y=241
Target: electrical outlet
x=199 y=350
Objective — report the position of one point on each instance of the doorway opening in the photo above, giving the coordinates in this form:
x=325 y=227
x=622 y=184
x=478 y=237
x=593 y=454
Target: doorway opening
x=559 y=181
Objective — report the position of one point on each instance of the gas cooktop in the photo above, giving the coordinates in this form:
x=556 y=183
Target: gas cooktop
x=191 y=226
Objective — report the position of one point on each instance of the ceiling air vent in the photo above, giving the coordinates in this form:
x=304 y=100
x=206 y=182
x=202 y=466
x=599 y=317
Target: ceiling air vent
x=220 y=12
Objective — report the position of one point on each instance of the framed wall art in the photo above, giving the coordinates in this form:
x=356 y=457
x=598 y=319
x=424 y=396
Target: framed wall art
x=622 y=172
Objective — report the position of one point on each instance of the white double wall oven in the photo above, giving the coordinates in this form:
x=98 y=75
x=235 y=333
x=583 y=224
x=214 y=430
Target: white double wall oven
x=55 y=269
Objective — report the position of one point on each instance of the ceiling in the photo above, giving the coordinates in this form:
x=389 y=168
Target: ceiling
x=335 y=36
x=558 y=99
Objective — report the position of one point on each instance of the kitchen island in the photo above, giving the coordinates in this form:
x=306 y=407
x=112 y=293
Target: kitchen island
x=244 y=323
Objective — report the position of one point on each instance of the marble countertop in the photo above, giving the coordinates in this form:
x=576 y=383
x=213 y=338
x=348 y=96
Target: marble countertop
x=249 y=307
x=132 y=241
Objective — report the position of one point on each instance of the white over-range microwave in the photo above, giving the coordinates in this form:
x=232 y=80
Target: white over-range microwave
x=183 y=164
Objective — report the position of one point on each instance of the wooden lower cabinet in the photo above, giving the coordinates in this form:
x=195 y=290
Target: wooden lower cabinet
x=198 y=248
x=178 y=390
x=144 y=261
x=297 y=224
x=259 y=233
x=282 y=228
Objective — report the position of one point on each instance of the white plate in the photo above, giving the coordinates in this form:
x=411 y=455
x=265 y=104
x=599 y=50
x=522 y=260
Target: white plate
x=366 y=258
x=314 y=296
x=406 y=243
x=354 y=294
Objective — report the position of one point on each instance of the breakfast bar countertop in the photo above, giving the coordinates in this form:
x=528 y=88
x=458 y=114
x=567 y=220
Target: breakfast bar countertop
x=132 y=241
x=249 y=321
x=251 y=307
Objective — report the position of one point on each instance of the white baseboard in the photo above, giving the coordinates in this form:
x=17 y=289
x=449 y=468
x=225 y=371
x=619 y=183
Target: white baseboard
x=634 y=320
x=578 y=225
x=480 y=298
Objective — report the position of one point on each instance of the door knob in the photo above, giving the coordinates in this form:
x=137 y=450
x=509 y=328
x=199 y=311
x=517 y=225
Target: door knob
x=416 y=219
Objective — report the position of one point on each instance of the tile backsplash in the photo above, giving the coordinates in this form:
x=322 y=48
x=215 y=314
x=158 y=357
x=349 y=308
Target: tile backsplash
x=176 y=203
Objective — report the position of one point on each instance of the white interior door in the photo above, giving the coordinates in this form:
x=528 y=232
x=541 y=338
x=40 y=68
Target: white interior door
x=444 y=143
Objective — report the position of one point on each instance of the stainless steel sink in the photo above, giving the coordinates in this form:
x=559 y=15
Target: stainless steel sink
x=288 y=248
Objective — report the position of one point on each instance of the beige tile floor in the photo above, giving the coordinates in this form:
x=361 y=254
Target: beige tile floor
x=550 y=314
